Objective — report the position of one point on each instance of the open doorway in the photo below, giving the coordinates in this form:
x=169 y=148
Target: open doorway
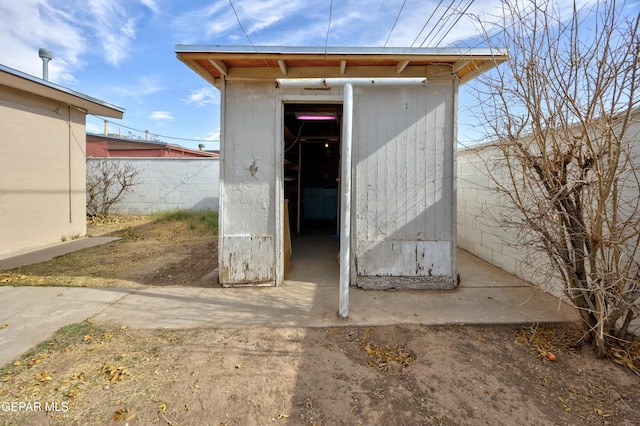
x=312 y=136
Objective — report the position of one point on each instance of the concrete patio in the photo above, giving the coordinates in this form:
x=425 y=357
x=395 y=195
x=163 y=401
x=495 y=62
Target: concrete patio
x=308 y=298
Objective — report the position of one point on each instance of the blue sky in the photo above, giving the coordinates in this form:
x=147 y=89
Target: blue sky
x=123 y=51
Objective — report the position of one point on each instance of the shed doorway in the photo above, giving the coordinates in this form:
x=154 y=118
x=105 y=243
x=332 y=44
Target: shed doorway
x=312 y=136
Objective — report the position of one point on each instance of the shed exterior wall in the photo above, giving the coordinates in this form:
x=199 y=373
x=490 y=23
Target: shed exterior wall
x=248 y=184
x=42 y=172
x=403 y=229
x=404 y=207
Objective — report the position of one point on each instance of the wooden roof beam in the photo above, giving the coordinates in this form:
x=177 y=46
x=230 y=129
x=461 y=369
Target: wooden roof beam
x=343 y=67
x=220 y=66
x=283 y=66
x=401 y=66
x=459 y=65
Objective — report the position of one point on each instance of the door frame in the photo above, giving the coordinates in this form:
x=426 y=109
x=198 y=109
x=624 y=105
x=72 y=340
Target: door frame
x=280 y=101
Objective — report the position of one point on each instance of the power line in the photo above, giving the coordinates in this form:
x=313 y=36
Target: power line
x=377 y=20
x=394 y=24
x=249 y=39
x=460 y=15
x=441 y=22
x=326 y=39
x=233 y=8
x=426 y=23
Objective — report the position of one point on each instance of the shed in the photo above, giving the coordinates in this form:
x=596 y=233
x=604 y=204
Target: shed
x=42 y=160
x=360 y=142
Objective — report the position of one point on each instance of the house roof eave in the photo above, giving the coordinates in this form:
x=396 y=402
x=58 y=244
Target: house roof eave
x=215 y=62
x=28 y=83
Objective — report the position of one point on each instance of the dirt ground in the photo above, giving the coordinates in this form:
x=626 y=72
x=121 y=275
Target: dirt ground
x=150 y=253
x=92 y=373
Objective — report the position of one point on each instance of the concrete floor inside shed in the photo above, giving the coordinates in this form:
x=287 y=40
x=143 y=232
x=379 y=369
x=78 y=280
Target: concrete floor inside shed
x=314 y=259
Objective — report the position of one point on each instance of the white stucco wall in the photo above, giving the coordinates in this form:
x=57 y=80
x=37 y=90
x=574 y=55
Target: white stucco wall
x=169 y=184
x=42 y=171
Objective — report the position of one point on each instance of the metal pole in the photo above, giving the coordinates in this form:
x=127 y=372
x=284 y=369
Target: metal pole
x=345 y=209
x=329 y=82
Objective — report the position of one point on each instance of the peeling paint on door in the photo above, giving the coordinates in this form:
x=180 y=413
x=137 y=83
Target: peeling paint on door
x=248 y=261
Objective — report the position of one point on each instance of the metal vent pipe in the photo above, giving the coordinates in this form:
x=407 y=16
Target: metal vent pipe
x=46 y=56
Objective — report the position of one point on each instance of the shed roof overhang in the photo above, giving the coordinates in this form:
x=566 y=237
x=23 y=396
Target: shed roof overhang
x=214 y=63
x=20 y=81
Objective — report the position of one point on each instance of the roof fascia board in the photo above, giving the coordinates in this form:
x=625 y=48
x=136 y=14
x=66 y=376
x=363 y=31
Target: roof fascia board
x=224 y=56
x=319 y=50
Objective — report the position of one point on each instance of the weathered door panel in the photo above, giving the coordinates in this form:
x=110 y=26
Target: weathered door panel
x=405 y=258
x=404 y=208
x=248 y=260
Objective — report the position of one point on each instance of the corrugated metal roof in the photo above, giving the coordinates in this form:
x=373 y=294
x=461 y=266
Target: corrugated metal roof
x=214 y=62
x=22 y=81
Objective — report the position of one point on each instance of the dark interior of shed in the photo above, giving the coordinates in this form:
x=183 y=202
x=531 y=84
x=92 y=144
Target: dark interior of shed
x=312 y=167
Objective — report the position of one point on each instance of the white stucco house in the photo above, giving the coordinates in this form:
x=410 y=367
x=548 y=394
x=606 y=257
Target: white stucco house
x=42 y=160
x=361 y=142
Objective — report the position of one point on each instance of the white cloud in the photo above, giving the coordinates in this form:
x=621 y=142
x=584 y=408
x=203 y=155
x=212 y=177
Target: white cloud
x=114 y=29
x=353 y=23
x=213 y=136
x=74 y=30
x=28 y=25
x=151 y=4
x=202 y=97
x=161 y=116
x=142 y=87
x=94 y=127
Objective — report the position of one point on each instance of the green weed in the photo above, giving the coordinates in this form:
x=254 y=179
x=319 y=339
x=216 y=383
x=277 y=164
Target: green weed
x=196 y=220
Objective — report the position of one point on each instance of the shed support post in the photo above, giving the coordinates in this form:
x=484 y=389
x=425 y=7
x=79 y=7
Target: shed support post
x=345 y=204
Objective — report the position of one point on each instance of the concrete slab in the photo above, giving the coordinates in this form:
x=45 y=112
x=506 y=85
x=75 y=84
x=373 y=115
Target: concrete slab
x=30 y=315
x=487 y=295
x=301 y=304
x=308 y=298
x=43 y=254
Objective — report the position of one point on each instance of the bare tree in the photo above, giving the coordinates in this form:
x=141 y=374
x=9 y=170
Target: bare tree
x=561 y=112
x=108 y=180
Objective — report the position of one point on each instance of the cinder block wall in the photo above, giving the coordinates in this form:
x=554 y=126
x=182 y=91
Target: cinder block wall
x=480 y=208
x=170 y=184
x=480 y=230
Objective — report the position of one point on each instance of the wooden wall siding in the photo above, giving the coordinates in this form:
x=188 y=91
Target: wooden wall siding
x=248 y=185
x=404 y=181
